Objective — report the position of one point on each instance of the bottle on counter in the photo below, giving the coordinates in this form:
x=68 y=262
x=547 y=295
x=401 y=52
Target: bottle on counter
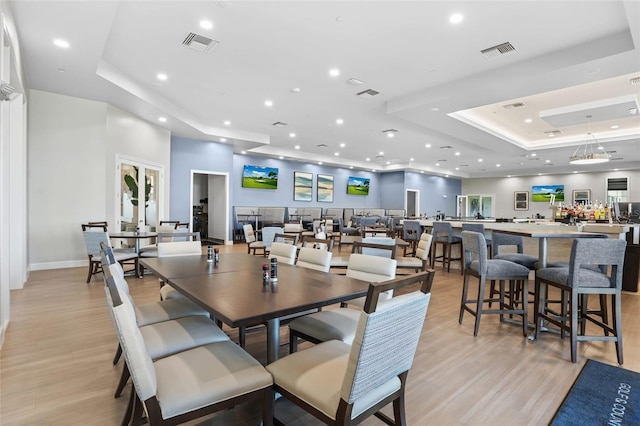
x=274 y=269
x=210 y=253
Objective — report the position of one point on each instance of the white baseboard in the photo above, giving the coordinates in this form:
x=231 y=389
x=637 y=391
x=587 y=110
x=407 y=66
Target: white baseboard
x=58 y=265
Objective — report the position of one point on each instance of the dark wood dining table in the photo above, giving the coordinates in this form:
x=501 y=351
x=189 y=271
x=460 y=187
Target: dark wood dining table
x=233 y=290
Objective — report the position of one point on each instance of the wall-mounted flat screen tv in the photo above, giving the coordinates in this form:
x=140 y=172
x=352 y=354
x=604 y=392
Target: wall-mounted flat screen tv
x=260 y=177
x=358 y=186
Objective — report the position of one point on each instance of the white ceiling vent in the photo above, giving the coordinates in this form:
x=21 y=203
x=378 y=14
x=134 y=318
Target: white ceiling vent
x=199 y=42
x=279 y=124
x=369 y=93
x=499 y=50
x=513 y=105
x=635 y=81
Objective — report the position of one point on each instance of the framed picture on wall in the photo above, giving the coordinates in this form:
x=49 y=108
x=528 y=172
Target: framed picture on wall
x=302 y=186
x=581 y=196
x=324 y=192
x=521 y=200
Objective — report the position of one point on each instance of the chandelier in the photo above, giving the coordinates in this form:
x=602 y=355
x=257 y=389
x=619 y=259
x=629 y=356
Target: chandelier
x=586 y=154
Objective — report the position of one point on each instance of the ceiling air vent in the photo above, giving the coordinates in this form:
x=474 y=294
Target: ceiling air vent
x=616 y=158
x=369 y=93
x=446 y=147
x=199 y=43
x=499 y=50
x=635 y=81
x=552 y=133
x=279 y=124
x=513 y=105
x=6 y=91
x=322 y=145
x=390 y=131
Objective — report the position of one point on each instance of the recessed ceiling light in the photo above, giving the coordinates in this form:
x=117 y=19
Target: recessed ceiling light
x=297 y=147
x=388 y=162
x=351 y=167
x=615 y=126
x=438 y=164
x=457 y=153
x=292 y=135
x=223 y=139
x=381 y=153
x=367 y=159
x=207 y=25
x=373 y=170
x=336 y=154
x=547 y=161
x=295 y=90
x=243 y=152
x=615 y=170
x=268 y=103
x=508 y=175
x=162 y=119
x=528 y=120
x=334 y=72
x=421 y=171
x=575 y=171
x=435 y=109
x=457 y=168
x=412 y=159
x=390 y=135
x=342 y=145
x=227 y=123
x=61 y=43
x=161 y=76
x=339 y=121
x=428 y=145
x=281 y=157
x=61 y=70
x=480 y=160
x=320 y=163
x=446 y=176
x=533 y=154
x=497 y=165
x=456 y=18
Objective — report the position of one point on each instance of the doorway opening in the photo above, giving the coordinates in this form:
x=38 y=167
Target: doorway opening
x=209 y=203
x=412 y=202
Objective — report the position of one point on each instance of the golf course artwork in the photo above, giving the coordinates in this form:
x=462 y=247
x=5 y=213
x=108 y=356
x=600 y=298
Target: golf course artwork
x=543 y=193
x=358 y=186
x=260 y=177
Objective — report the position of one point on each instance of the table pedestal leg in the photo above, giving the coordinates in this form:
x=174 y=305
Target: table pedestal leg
x=273 y=339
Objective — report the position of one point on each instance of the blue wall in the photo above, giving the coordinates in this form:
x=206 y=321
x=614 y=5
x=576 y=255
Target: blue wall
x=433 y=190
x=283 y=196
x=386 y=189
x=191 y=154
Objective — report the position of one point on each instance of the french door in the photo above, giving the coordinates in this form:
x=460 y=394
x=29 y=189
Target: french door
x=139 y=194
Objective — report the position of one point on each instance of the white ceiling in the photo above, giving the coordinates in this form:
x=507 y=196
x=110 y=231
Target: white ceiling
x=572 y=59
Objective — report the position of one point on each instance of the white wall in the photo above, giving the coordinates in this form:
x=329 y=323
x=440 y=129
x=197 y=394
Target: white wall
x=72 y=148
x=504 y=188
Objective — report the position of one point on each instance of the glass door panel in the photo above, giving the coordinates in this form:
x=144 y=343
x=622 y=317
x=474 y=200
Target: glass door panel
x=487 y=206
x=139 y=195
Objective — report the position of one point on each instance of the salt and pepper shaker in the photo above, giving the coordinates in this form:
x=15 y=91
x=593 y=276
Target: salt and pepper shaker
x=210 y=254
x=274 y=269
x=137 y=230
x=265 y=272
x=216 y=255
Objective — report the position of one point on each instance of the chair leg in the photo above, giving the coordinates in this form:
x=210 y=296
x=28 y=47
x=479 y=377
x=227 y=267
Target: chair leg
x=118 y=354
x=573 y=296
x=398 y=410
x=479 y=305
x=268 y=406
x=242 y=334
x=463 y=302
x=525 y=307
x=124 y=378
x=539 y=305
x=616 y=312
x=293 y=342
x=126 y=419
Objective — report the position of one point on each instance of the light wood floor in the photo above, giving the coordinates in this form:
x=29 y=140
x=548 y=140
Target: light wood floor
x=55 y=364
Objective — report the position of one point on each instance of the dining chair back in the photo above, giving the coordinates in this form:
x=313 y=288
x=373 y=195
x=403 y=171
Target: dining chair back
x=268 y=235
x=252 y=242
x=421 y=259
x=92 y=240
x=179 y=248
x=578 y=282
x=500 y=241
x=379 y=359
x=291 y=239
x=376 y=246
x=313 y=258
x=317 y=243
x=285 y=253
x=186 y=385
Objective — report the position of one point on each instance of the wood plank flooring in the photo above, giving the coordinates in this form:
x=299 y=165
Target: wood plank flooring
x=55 y=364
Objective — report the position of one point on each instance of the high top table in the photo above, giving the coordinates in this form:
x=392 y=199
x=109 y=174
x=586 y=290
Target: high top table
x=233 y=290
